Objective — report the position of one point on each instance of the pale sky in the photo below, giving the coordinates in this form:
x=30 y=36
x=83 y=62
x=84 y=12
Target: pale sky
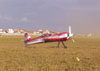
x=56 y=15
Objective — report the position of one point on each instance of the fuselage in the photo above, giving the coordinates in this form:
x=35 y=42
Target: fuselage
x=48 y=38
x=56 y=37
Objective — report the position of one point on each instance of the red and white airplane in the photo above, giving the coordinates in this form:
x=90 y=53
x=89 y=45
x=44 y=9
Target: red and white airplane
x=60 y=37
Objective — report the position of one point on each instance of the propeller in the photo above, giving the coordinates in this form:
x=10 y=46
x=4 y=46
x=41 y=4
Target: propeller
x=73 y=40
x=70 y=34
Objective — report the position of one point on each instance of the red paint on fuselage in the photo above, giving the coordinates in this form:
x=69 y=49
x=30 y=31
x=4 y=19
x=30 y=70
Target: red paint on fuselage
x=50 y=38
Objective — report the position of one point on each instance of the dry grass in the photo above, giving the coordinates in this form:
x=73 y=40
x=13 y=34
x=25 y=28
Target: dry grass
x=83 y=55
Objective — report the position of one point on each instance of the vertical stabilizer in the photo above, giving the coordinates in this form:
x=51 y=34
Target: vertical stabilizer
x=27 y=37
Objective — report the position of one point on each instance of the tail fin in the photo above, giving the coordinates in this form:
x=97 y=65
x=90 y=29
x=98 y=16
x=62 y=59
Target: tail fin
x=27 y=37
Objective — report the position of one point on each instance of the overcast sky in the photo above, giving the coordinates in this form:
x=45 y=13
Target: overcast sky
x=56 y=15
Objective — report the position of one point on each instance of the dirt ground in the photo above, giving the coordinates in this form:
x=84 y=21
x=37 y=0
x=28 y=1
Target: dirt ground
x=83 y=55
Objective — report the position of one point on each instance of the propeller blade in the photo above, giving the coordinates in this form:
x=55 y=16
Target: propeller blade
x=73 y=40
x=70 y=34
x=69 y=29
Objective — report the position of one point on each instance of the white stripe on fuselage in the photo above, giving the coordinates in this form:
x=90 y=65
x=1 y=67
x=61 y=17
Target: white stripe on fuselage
x=35 y=41
x=63 y=36
x=57 y=36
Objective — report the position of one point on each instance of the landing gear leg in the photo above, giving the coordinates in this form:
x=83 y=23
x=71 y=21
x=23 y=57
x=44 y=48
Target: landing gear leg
x=58 y=44
x=64 y=45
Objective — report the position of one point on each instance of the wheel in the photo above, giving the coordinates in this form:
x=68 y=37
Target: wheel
x=57 y=47
x=65 y=47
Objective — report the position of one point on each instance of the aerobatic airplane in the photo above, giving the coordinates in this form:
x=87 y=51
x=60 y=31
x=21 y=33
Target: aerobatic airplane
x=60 y=37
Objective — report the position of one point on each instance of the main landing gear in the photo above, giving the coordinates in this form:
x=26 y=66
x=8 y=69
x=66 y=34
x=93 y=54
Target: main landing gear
x=62 y=43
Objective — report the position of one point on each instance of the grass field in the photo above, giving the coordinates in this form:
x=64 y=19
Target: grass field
x=83 y=55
